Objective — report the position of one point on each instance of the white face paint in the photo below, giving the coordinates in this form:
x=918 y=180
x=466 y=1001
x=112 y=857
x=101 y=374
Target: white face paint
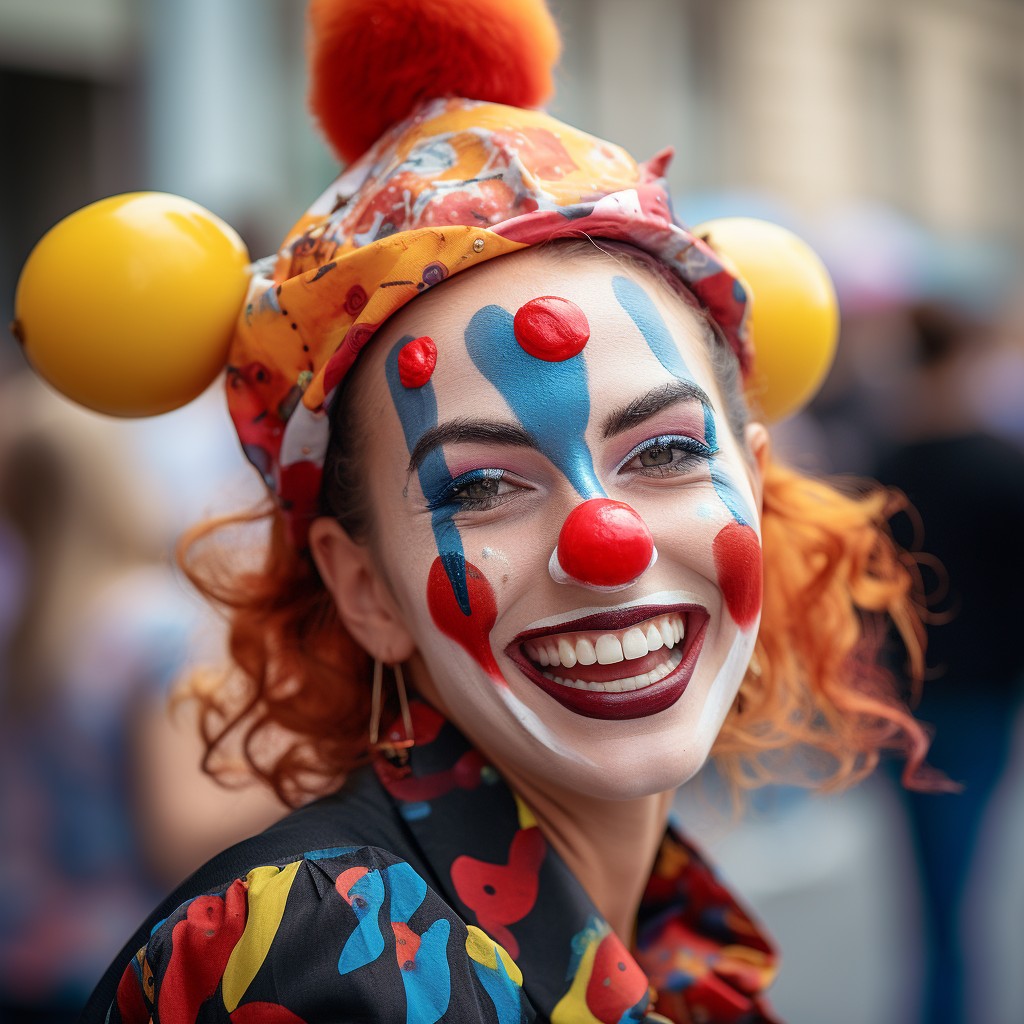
x=618 y=693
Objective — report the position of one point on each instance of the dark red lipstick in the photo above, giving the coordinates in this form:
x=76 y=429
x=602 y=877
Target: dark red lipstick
x=645 y=700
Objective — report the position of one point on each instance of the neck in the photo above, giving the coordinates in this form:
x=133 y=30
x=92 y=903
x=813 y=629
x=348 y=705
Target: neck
x=609 y=845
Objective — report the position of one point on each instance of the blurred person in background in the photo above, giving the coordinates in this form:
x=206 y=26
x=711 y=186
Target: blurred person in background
x=102 y=804
x=966 y=489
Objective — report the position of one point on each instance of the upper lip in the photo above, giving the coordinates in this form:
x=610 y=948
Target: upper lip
x=609 y=621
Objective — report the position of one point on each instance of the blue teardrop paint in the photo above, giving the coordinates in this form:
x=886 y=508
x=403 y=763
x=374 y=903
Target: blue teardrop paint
x=550 y=400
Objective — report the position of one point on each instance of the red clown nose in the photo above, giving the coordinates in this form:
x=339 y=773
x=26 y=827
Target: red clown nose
x=604 y=545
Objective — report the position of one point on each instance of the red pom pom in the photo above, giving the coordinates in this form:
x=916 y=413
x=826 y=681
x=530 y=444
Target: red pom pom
x=373 y=61
x=416 y=362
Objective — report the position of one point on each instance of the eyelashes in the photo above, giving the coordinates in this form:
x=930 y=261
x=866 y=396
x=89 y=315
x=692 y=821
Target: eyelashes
x=482 y=489
x=667 y=455
x=475 y=491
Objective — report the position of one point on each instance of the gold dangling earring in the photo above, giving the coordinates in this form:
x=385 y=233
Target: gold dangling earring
x=393 y=748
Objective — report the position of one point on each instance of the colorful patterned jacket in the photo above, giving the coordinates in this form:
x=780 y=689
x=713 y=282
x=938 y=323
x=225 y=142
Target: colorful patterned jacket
x=430 y=895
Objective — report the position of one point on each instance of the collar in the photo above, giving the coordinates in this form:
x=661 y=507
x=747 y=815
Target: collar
x=698 y=954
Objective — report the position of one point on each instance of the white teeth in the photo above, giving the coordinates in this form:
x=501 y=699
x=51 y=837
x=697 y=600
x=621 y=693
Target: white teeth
x=609 y=650
x=566 y=653
x=585 y=653
x=622 y=685
x=654 y=639
x=667 y=632
x=634 y=643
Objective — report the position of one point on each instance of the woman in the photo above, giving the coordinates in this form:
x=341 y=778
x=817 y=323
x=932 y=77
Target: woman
x=537 y=497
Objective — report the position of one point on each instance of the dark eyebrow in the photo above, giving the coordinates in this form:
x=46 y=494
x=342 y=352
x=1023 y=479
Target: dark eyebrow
x=653 y=402
x=462 y=431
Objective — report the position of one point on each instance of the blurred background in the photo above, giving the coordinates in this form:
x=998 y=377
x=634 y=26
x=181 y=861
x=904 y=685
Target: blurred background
x=889 y=133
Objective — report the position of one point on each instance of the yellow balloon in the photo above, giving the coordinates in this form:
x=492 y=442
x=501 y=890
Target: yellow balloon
x=795 y=316
x=128 y=305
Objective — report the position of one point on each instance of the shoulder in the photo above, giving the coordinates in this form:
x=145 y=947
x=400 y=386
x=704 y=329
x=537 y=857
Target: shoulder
x=344 y=933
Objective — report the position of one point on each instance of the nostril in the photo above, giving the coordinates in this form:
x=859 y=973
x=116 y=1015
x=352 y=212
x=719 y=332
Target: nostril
x=604 y=543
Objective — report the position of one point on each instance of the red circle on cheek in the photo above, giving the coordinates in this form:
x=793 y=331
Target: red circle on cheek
x=416 y=362
x=551 y=328
x=737 y=556
x=472 y=631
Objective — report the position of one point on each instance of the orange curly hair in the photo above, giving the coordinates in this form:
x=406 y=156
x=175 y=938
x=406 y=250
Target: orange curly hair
x=834 y=581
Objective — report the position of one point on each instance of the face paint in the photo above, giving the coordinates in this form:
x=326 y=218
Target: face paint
x=473 y=633
x=551 y=328
x=417 y=411
x=416 y=362
x=637 y=303
x=551 y=400
x=725 y=684
x=736 y=549
x=738 y=564
x=468 y=590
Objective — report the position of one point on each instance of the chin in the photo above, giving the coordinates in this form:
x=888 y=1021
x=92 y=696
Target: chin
x=617 y=759
x=637 y=772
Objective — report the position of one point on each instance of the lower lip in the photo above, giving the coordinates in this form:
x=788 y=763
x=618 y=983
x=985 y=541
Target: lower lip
x=627 y=704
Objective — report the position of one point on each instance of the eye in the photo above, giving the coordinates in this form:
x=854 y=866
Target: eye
x=482 y=490
x=658 y=456
x=476 y=491
x=667 y=456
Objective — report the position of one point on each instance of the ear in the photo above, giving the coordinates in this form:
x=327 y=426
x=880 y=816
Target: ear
x=366 y=606
x=760 y=446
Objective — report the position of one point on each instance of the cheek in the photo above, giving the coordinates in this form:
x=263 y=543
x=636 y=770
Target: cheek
x=472 y=631
x=706 y=537
x=737 y=555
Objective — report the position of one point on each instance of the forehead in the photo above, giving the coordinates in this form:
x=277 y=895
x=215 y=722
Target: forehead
x=640 y=334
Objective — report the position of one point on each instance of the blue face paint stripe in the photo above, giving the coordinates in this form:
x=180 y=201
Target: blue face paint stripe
x=417 y=411
x=730 y=496
x=710 y=433
x=643 y=312
x=550 y=400
x=650 y=323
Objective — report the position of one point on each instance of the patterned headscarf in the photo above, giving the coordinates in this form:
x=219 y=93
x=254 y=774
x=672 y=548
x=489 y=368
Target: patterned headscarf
x=457 y=183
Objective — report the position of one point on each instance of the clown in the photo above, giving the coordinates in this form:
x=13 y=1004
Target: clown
x=511 y=412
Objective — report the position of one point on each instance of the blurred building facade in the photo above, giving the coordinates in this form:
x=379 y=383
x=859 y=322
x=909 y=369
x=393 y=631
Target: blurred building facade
x=915 y=103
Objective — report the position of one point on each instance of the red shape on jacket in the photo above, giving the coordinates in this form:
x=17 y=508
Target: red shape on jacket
x=201 y=945
x=502 y=894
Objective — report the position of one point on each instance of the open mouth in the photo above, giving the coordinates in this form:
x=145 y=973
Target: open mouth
x=624 y=663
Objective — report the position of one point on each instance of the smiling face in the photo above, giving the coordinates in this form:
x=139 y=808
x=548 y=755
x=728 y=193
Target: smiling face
x=566 y=524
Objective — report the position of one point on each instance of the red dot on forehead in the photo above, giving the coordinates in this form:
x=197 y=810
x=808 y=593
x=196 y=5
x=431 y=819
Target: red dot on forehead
x=551 y=328
x=416 y=362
